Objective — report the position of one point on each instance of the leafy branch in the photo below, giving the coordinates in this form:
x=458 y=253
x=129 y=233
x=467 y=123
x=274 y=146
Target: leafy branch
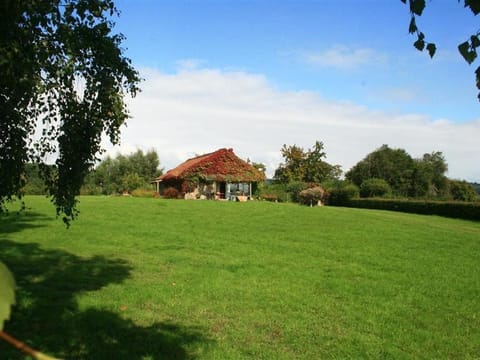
x=467 y=49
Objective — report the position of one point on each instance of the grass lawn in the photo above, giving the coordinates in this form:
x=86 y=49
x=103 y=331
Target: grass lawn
x=160 y=279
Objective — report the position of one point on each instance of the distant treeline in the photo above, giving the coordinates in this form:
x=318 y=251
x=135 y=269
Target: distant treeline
x=123 y=173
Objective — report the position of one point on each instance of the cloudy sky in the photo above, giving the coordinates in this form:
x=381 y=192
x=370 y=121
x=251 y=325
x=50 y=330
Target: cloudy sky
x=254 y=75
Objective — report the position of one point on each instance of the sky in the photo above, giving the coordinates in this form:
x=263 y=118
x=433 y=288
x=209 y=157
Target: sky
x=254 y=75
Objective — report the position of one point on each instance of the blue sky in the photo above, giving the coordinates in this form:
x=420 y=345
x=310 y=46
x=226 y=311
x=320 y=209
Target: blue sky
x=236 y=73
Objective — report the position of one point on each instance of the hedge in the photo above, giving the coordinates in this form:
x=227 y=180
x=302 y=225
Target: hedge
x=453 y=209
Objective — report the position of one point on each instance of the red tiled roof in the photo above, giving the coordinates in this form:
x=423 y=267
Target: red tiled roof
x=221 y=165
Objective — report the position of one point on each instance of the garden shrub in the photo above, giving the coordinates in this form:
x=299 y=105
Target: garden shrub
x=274 y=192
x=294 y=189
x=312 y=196
x=171 y=193
x=375 y=188
x=453 y=209
x=341 y=195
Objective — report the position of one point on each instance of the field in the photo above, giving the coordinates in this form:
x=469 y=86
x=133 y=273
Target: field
x=164 y=279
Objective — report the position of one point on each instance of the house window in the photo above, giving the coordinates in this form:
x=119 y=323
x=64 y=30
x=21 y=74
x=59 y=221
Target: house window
x=240 y=189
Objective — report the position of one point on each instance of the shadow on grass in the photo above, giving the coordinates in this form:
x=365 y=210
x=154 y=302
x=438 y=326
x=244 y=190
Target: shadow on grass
x=14 y=221
x=48 y=318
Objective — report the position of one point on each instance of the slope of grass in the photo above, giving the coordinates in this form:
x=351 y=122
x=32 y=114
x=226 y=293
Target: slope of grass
x=152 y=279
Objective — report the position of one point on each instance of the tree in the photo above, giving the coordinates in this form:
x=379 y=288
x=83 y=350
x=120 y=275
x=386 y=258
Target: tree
x=293 y=168
x=467 y=49
x=305 y=166
x=63 y=71
x=428 y=177
x=125 y=172
x=462 y=191
x=395 y=166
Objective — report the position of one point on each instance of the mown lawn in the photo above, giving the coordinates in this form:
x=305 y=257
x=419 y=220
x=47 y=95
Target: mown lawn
x=160 y=279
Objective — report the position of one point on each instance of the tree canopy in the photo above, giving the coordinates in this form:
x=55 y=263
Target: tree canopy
x=63 y=78
x=467 y=49
x=408 y=177
x=305 y=166
x=124 y=173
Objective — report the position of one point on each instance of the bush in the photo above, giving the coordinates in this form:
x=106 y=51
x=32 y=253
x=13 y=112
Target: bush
x=341 y=195
x=453 y=209
x=144 y=193
x=294 y=189
x=170 y=193
x=312 y=196
x=375 y=188
x=462 y=191
x=274 y=192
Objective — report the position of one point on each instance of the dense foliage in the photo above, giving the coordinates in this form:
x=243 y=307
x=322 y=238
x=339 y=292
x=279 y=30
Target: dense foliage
x=63 y=77
x=306 y=166
x=462 y=191
x=340 y=194
x=453 y=209
x=123 y=173
x=375 y=188
x=406 y=176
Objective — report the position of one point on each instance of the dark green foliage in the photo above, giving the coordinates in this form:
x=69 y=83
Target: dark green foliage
x=406 y=176
x=275 y=192
x=460 y=210
x=341 y=195
x=429 y=178
x=476 y=186
x=395 y=166
x=295 y=188
x=339 y=192
x=125 y=173
x=467 y=49
x=34 y=184
x=375 y=188
x=60 y=66
x=462 y=191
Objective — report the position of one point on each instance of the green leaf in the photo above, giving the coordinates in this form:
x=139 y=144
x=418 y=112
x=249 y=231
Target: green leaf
x=413 y=26
x=419 y=44
x=417 y=6
x=7 y=293
x=477 y=75
x=474 y=5
x=432 y=48
x=468 y=55
x=475 y=41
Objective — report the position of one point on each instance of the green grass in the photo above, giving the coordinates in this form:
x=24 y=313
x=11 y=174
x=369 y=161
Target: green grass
x=156 y=279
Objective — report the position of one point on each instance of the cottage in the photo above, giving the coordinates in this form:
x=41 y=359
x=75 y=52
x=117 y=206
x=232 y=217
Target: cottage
x=217 y=175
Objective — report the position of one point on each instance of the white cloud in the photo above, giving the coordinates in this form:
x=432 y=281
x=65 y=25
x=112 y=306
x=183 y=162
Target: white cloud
x=200 y=110
x=344 y=57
